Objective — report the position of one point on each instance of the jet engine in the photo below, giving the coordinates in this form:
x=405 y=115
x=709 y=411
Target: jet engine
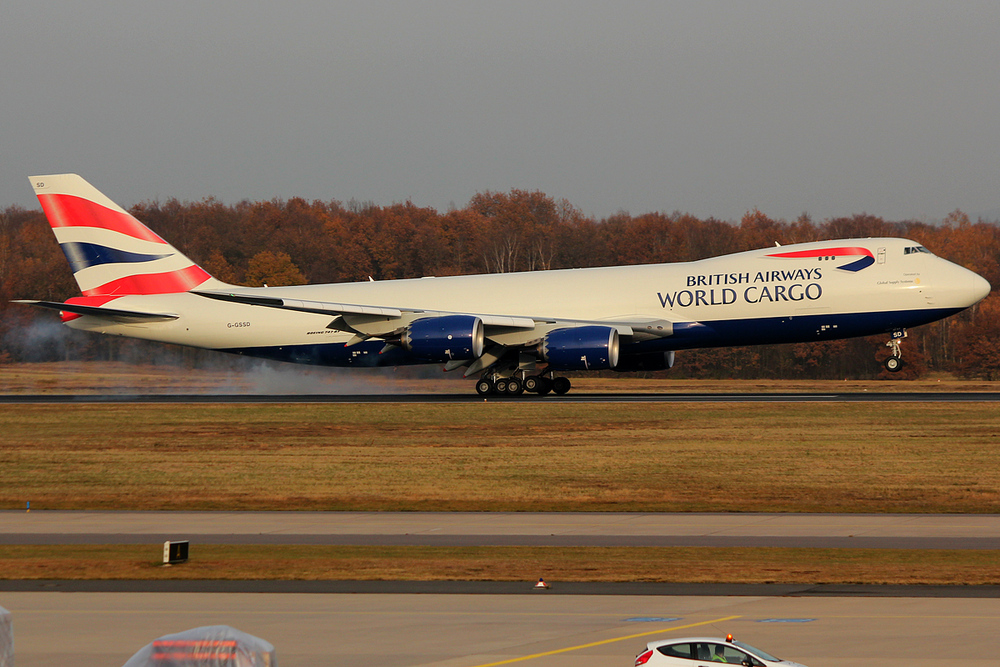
x=581 y=348
x=446 y=338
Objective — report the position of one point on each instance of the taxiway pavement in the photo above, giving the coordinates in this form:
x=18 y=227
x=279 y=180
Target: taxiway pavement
x=105 y=629
x=901 y=531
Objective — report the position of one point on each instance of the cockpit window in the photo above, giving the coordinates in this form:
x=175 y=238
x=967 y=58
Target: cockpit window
x=916 y=248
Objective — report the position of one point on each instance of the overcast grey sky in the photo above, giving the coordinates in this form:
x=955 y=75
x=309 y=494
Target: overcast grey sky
x=713 y=108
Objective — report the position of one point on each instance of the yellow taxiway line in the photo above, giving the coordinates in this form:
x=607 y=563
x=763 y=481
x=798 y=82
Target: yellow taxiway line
x=606 y=641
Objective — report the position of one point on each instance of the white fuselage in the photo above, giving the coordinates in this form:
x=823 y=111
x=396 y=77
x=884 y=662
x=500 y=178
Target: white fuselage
x=739 y=292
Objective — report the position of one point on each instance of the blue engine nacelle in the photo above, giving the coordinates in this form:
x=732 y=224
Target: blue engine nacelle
x=446 y=338
x=590 y=348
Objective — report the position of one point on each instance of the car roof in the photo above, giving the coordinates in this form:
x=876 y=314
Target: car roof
x=687 y=640
x=683 y=640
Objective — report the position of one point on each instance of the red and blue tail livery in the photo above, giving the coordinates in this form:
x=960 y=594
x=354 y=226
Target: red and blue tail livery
x=513 y=332
x=110 y=252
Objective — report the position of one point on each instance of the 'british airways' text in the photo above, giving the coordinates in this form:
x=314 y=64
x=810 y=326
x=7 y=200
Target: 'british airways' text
x=762 y=287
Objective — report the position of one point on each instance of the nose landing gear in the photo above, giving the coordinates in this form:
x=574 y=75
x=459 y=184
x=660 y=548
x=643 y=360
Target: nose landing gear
x=894 y=363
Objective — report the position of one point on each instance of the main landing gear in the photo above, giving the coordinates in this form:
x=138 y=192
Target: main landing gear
x=496 y=385
x=894 y=363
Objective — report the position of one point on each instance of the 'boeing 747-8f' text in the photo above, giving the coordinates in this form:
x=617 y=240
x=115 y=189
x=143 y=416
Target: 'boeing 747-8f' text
x=515 y=331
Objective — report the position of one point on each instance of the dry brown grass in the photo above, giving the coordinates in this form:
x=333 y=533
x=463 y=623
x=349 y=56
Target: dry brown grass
x=680 y=565
x=497 y=456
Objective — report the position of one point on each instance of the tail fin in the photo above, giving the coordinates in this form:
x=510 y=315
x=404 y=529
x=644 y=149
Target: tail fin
x=111 y=253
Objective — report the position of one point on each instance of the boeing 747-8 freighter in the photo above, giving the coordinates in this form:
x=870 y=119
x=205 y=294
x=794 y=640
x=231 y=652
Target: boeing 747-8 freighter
x=515 y=332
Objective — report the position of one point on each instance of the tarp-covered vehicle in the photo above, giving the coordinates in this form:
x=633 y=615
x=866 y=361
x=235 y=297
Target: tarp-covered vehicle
x=208 y=646
x=6 y=639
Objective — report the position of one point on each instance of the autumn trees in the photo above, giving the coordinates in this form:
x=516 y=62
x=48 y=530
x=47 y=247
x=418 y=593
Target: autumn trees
x=289 y=242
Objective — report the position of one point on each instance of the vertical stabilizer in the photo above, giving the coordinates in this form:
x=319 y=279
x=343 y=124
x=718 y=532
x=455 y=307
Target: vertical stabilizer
x=111 y=253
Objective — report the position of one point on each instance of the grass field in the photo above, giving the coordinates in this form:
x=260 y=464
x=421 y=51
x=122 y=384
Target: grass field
x=503 y=456
x=806 y=457
x=555 y=564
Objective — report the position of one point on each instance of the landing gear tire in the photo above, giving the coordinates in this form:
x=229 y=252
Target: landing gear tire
x=514 y=387
x=485 y=387
x=544 y=385
x=531 y=384
x=501 y=385
x=893 y=364
x=561 y=385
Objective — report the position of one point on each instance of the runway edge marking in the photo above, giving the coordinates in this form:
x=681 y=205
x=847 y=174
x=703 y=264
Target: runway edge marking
x=606 y=641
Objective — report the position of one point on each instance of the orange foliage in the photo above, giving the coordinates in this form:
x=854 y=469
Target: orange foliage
x=286 y=242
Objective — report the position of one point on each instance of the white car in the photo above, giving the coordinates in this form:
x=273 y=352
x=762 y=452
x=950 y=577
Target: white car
x=706 y=652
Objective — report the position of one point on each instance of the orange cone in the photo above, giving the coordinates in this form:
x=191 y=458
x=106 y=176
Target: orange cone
x=541 y=583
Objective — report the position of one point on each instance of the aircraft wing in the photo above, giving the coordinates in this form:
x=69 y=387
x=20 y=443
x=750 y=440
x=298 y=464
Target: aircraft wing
x=488 y=338
x=349 y=315
x=112 y=314
x=359 y=318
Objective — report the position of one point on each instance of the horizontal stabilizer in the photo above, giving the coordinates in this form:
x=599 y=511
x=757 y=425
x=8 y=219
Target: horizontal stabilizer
x=113 y=314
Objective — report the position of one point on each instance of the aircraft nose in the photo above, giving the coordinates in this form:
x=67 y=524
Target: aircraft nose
x=980 y=287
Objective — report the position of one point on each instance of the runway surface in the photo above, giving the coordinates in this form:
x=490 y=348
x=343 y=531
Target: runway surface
x=846 y=397
x=902 y=531
x=105 y=629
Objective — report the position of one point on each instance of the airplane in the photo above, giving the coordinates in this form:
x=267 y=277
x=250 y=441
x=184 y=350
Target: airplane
x=516 y=332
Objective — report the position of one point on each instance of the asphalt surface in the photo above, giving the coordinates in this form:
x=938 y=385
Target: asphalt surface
x=897 y=531
x=846 y=397
x=556 y=588
x=101 y=629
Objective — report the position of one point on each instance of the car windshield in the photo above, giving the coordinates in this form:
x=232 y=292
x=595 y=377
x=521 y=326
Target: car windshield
x=757 y=652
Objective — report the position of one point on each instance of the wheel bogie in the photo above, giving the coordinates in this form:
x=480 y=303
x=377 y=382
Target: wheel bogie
x=515 y=386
